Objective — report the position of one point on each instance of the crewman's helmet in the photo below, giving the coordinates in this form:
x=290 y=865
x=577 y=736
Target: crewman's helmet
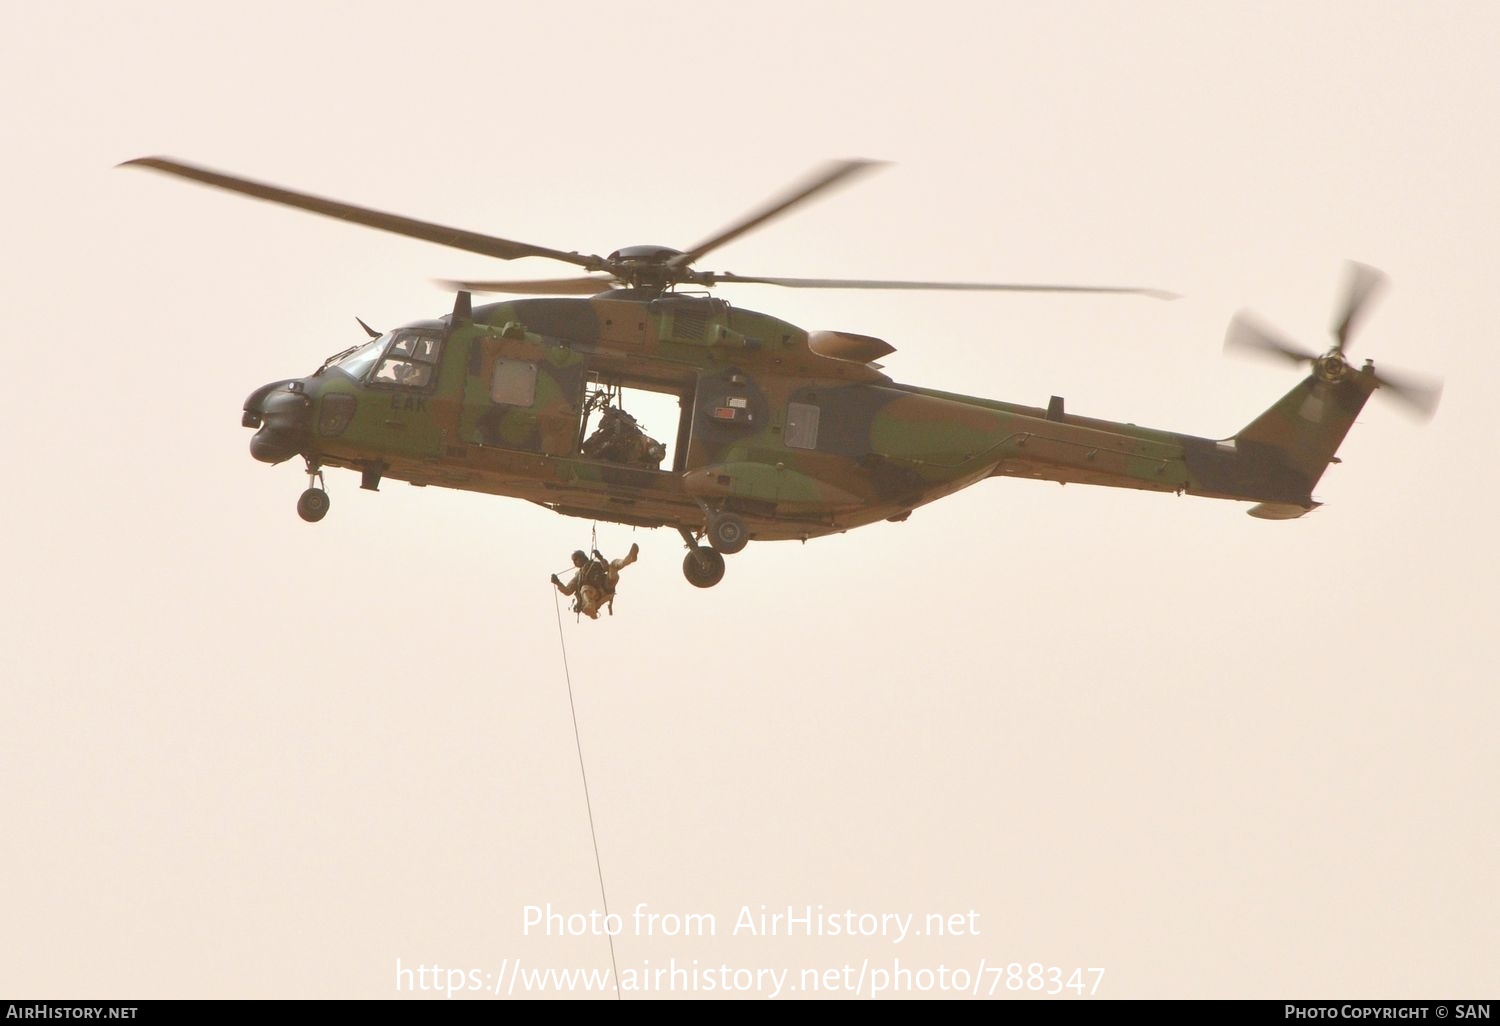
x=579 y=558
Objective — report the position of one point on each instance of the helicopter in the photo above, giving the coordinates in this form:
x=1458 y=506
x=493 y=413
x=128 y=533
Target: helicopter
x=782 y=433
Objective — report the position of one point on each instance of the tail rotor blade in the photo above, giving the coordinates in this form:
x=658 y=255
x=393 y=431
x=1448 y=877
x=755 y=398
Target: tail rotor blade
x=1419 y=394
x=1247 y=332
x=1364 y=282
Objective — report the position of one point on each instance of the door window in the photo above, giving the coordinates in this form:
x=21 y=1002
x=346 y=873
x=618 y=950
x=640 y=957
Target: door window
x=513 y=383
x=801 y=426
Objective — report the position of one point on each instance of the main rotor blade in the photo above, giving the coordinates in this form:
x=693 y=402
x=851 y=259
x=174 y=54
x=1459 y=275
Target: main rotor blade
x=1364 y=282
x=456 y=238
x=544 y=287
x=954 y=286
x=1247 y=332
x=825 y=178
x=1420 y=394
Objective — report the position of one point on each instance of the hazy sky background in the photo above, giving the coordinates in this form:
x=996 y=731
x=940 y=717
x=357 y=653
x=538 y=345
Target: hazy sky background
x=247 y=756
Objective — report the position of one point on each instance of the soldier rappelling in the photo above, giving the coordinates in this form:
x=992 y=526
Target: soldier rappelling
x=595 y=580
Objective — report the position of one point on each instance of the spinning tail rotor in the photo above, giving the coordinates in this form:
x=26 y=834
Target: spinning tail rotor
x=1418 y=394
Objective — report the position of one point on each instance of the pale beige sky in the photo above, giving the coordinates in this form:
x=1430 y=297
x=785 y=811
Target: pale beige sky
x=246 y=756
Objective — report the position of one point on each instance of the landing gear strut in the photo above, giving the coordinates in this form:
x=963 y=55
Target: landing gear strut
x=702 y=566
x=312 y=505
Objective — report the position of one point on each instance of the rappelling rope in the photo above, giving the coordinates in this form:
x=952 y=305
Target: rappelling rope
x=577 y=604
x=587 y=803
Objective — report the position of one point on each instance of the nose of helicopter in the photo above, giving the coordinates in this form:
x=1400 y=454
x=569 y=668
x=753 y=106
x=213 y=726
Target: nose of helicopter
x=282 y=411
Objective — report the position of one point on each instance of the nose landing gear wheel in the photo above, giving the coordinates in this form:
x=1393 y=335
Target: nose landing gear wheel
x=726 y=533
x=703 y=567
x=312 y=505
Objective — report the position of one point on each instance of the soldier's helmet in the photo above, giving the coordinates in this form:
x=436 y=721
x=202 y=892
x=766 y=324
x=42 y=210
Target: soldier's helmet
x=579 y=558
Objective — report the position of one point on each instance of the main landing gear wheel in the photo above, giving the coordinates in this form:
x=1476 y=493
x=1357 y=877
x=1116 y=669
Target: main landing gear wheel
x=312 y=505
x=703 y=567
x=727 y=533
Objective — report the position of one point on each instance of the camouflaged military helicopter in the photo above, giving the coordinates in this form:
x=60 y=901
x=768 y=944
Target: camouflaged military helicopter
x=781 y=433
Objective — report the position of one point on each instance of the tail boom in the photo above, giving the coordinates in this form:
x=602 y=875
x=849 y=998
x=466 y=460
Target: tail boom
x=1275 y=461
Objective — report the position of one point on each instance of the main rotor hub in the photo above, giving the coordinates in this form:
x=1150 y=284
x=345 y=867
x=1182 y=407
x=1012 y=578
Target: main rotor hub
x=647 y=267
x=656 y=255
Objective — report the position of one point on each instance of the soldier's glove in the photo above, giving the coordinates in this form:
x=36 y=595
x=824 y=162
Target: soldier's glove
x=599 y=555
x=556 y=581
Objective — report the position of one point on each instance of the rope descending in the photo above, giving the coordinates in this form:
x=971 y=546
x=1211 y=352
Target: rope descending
x=587 y=802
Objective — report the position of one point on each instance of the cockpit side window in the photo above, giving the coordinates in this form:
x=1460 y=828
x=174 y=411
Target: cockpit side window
x=403 y=372
x=411 y=361
x=423 y=348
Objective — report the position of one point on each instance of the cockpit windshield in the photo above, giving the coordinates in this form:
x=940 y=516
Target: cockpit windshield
x=356 y=362
x=410 y=359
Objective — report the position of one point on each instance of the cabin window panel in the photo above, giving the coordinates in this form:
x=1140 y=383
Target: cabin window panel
x=513 y=383
x=801 y=430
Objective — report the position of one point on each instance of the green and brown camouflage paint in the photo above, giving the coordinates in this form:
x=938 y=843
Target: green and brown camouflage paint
x=879 y=448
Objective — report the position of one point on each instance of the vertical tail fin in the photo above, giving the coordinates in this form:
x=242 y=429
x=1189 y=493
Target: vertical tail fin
x=1292 y=443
